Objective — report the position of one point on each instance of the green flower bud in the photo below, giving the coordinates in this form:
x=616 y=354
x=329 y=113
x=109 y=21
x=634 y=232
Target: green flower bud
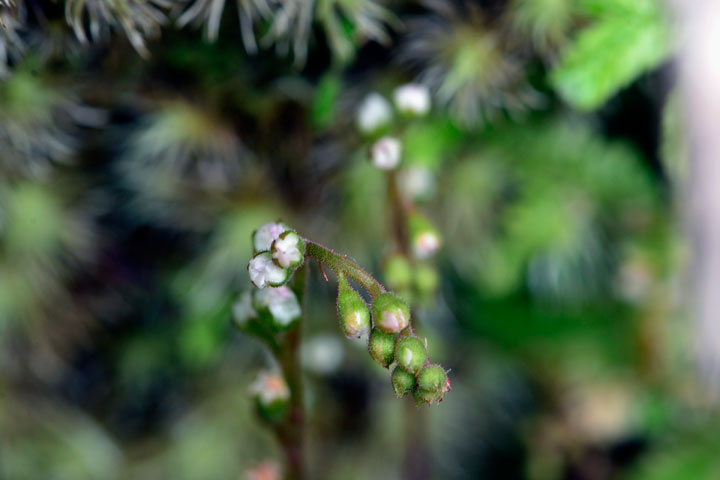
x=433 y=384
x=353 y=312
x=424 y=237
x=398 y=272
x=288 y=250
x=381 y=346
x=402 y=381
x=391 y=313
x=421 y=396
x=410 y=354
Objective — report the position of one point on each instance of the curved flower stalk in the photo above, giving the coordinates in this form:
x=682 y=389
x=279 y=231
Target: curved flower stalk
x=92 y=20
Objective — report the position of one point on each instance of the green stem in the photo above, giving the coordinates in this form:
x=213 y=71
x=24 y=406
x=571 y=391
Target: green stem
x=343 y=264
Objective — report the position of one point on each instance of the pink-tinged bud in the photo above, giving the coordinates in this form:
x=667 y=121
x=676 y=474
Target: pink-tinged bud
x=412 y=99
x=390 y=313
x=264 y=236
x=281 y=303
x=374 y=113
x=381 y=347
x=288 y=250
x=410 y=354
x=272 y=396
x=433 y=384
x=264 y=272
x=385 y=153
x=353 y=312
x=424 y=236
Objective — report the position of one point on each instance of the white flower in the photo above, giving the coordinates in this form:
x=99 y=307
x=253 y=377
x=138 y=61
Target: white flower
x=287 y=250
x=323 y=354
x=374 y=112
x=270 y=387
x=412 y=98
x=416 y=183
x=426 y=244
x=264 y=236
x=264 y=272
x=243 y=310
x=385 y=153
x=282 y=303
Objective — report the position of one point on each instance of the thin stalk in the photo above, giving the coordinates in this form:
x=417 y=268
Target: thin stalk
x=343 y=264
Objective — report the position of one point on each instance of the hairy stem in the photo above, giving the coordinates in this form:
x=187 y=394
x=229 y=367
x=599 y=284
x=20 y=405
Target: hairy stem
x=343 y=264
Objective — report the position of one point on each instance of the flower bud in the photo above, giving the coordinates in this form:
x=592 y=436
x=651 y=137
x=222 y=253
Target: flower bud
x=391 y=313
x=353 y=312
x=433 y=384
x=281 y=303
x=398 y=272
x=424 y=236
x=272 y=396
x=426 y=279
x=243 y=311
x=374 y=113
x=416 y=183
x=412 y=99
x=402 y=382
x=382 y=347
x=264 y=236
x=385 y=153
x=263 y=271
x=410 y=354
x=288 y=250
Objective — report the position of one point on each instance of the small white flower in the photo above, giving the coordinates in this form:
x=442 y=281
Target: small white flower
x=287 y=250
x=243 y=310
x=426 y=243
x=282 y=303
x=412 y=98
x=264 y=272
x=385 y=153
x=264 y=236
x=323 y=354
x=270 y=387
x=374 y=112
x=416 y=183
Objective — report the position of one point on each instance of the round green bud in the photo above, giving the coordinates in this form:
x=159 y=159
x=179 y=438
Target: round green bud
x=421 y=396
x=381 y=346
x=433 y=382
x=402 y=382
x=391 y=313
x=353 y=312
x=410 y=354
x=398 y=272
x=426 y=279
x=424 y=237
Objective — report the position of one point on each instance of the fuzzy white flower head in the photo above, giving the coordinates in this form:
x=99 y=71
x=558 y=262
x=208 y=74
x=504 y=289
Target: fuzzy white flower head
x=270 y=387
x=374 y=112
x=426 y=244
x=416 y=183
x=264 y=272
x=282 y=303
x=385 y=153
x=288 y=250
x=412 y=98
x=243 y=310
x=264 y=236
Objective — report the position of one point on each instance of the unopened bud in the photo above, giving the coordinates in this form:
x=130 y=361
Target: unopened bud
x=272 y=396
x=381 y=346
x=281 y=303
x=398 y=272
x=433 y=384
x=264 y=272
x=353 y=312
x=402 y=382
x=374 y=113
x=412 y=98
x=426 y=279
x=288 y=250
x=410 y=354
x=424 y=236
x=264 y=236
x=391 y=313
x=385 y=153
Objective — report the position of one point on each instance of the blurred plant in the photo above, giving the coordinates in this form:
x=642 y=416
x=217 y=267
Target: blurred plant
x=177 y=153
x=547 y=23
x=471 y=68
x=12 y=45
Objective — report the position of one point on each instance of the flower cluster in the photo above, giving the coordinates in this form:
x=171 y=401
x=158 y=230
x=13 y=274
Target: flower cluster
x=278 y=252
